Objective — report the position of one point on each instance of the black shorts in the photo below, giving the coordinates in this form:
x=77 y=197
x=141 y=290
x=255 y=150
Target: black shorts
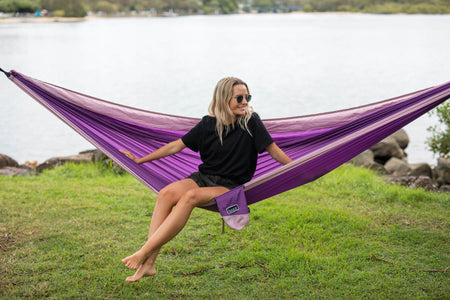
x=205 y=180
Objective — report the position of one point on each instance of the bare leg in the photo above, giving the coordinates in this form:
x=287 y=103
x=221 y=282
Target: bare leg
x=168 y=197
x=169 y=228
x=148 y=268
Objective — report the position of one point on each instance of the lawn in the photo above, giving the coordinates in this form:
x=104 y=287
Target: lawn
x=348 y=235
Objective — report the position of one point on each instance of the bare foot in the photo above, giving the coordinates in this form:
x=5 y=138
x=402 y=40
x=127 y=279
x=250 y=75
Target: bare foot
x=145 y=270
x=134 y=261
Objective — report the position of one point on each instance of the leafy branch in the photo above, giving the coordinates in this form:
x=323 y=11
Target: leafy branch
x=439 y=142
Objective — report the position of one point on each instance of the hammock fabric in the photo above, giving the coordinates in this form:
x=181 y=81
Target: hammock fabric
x=317 y=143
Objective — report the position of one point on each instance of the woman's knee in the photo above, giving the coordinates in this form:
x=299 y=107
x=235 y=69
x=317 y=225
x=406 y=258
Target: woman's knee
x=191 y=198
x=168 y=196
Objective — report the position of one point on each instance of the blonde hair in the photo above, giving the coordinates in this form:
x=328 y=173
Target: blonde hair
x=220 y=107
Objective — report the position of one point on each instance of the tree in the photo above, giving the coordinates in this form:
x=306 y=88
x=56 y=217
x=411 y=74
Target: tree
x=439 y=142
x=70 y=8
x=106 y=7
x=20 y=6
x=263 y=3
x=220 y=6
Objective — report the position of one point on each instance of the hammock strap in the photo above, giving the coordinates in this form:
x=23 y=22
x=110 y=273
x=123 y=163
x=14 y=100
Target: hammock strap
x=6 y=73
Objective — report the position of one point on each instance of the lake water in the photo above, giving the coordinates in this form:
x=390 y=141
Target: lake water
x=295 y=64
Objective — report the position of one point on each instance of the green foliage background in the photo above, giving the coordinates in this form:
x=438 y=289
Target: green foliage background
x=79 y=8
x=439 y=142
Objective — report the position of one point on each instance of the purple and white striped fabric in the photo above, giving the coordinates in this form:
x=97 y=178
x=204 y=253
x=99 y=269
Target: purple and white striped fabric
x=317 y=143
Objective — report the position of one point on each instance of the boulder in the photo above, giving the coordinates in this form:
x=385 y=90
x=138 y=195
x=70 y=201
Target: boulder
x=15 y=171
x=366 y=160
x=85 y=157
x=421 y=170
x=445 y=188
x=414 y=182
x=402 y=138
x=386 y=149
x=425 y=182
x=442 y=170
x=31 y=164
x=397 y=167
x=6 y=161
x=97 y=155
x=401 y=180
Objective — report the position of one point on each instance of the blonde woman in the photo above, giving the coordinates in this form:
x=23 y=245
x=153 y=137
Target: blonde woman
x=229 y=140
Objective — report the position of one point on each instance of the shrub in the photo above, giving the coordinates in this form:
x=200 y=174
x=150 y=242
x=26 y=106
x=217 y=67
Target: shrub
x=439 y=142
x=20 y=6
x=107 y=7
x=58 y=13
x=71 y=8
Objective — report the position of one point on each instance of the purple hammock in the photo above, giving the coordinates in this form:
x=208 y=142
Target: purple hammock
x=317 y=143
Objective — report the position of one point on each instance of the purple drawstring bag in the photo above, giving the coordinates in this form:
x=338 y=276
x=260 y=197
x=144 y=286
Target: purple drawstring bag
x=233 y=208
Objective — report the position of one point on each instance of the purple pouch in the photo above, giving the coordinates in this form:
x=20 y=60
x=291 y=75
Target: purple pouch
x=233 y=208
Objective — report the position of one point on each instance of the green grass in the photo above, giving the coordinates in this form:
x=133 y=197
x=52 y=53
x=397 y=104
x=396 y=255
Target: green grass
x=348 y=235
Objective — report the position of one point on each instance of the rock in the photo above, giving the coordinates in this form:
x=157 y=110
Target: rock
x=99 y=155
x=86 y=157
x=414 y=182
x=445 y=188
x=31 y=164
x=397 y=167
x=93 y=153
x=442 y=170
x=386 y=149
x=6 y=161
x=402 y=138
x=15 y=171
x=366 y=160
x=402 y=180
x=421 y=170
x=424 y=182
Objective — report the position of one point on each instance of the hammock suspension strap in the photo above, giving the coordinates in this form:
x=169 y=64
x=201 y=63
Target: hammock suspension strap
x=6 y=73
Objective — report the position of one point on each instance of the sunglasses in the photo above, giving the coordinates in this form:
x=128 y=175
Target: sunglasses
x=239 y=98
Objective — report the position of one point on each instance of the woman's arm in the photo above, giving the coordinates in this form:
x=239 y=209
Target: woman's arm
x=166 y=150
x=278 y=154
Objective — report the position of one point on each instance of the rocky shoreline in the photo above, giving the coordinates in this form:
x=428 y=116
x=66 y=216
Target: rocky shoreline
x=387 y=157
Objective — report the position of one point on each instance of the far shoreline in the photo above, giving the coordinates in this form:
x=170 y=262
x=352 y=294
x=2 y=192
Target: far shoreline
x=35 y=19
x=15 y=20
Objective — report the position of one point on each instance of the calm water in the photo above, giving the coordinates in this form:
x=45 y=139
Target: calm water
x=295 y=64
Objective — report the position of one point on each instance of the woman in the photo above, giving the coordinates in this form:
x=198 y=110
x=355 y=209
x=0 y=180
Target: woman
x=229 y=140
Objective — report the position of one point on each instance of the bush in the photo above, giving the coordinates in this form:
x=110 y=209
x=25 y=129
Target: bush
x=307 y=8
x=71 y=8
x=58 y=13
x=439 y=142
x=18 y=6
x=75 y=9
x=385 y=8
x=426 y=8
x=107 y=7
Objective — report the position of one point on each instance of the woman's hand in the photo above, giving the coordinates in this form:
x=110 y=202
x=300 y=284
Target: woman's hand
x=129 y=155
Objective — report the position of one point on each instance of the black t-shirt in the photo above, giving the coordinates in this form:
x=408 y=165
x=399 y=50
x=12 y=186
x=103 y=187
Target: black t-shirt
x=234 y=159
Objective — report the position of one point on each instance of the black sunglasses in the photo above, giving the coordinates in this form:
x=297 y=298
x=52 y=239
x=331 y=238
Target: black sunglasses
x=239 y=98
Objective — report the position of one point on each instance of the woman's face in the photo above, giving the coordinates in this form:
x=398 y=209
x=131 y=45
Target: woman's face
x=239 y=109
